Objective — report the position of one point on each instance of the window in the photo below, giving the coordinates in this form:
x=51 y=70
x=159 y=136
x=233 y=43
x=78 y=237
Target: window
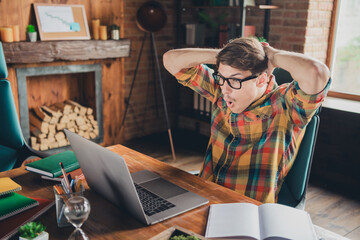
x=345 y=59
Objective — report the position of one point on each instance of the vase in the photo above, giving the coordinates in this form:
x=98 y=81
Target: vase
x=42 y=236
x=32 y=36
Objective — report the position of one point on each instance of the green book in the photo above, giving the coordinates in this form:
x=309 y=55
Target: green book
x=14 y=203
x=49 y=166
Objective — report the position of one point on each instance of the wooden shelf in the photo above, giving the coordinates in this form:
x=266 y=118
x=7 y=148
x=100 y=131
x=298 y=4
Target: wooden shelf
x=263 y=6
x=50 y=51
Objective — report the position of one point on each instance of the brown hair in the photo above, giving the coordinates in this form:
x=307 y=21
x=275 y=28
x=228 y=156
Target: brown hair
x=245 y=54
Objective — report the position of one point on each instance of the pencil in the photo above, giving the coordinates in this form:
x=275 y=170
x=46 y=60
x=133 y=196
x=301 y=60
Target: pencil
x=64 y=173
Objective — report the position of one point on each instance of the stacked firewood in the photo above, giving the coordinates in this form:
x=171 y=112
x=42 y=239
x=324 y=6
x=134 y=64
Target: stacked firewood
x=48 y=122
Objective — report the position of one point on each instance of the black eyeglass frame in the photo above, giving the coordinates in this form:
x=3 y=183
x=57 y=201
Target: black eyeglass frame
x=216 y=75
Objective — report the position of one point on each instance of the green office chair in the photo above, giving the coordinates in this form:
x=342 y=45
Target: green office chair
x=293 y=190
x=13 y=148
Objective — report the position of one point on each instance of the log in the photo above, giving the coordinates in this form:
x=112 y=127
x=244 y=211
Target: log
x=44 y=141
x=64 y=119
x=33 y=141
x=36 y=132
x=59 y=136
x=80 y=121
x=92 y=135
x=72 y=116
x=89 y=111
x=82 y=109
x=41 y=114
x=43 y=147
x=36 y=146
x=54 y=120
x=54 y=145
x=63 y=107
x=60 y=126
x=43 y=126
x=51 y=112
x=70 y=124
x=52 y=129
x=84 y=127
x=86 y=135
x=62 y=143
x=51 y=139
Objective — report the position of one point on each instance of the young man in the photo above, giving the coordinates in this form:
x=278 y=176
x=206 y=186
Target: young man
x=256 y=125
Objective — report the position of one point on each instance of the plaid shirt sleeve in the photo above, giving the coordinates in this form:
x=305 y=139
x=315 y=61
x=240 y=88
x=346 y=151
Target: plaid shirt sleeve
x=299 y=106
x=199 y=79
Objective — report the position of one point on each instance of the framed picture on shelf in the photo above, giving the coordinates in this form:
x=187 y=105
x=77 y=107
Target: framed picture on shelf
x=61 y=22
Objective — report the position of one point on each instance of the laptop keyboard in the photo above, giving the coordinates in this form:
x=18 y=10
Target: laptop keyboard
x=152 y=203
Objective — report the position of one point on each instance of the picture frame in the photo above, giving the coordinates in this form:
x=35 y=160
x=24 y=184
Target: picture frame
x=61 y=22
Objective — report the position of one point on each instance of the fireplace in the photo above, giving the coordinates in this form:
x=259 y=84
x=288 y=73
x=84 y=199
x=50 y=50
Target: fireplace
x=30 y=64
x=86 y=73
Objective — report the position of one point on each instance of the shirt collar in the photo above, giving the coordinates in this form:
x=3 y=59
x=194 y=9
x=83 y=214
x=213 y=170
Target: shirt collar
x=272 y=85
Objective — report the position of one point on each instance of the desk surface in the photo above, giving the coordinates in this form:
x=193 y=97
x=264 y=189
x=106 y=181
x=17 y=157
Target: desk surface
x=109 y=222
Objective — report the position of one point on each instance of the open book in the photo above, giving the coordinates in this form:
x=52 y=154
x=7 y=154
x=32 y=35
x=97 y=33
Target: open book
x=267 y=221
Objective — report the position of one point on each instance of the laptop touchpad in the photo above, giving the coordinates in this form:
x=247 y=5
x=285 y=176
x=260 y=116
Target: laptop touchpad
x=163 y=188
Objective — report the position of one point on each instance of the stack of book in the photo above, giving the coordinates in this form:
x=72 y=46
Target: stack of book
x=50 y=169
x=16 y=209
x=11 y=202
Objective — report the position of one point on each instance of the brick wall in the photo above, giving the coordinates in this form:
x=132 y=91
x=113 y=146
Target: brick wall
x=298 y=25
x=146 y=112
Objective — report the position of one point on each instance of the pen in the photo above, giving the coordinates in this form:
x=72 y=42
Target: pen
x=78 y=185
x=65 y=177
x=57 y=190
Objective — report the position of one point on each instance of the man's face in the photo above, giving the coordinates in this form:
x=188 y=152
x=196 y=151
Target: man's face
x=238 y=99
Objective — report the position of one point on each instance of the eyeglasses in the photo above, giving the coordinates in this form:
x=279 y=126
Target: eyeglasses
x=234 y=83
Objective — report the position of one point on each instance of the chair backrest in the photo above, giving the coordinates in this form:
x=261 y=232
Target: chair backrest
x=13 y=148
x=10 y=132
x=293 y=190
x=3 y=68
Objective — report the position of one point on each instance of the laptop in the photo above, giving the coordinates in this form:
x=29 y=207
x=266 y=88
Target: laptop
x=144 y=194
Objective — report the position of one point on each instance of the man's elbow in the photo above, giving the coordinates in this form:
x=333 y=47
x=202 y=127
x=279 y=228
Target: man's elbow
x=321 y=74
x=168 y=62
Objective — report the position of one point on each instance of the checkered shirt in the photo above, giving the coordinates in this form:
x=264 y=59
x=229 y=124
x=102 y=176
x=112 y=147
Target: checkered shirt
x=251 y=152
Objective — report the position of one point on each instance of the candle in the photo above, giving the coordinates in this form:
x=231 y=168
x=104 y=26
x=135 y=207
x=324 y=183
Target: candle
x=7 y=34
x=103 y=32
x=16 y=33
x=95 y=25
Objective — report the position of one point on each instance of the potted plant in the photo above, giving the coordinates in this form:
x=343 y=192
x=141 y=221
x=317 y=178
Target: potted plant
x=31 y=32
x=34 y=231
x=115 y=32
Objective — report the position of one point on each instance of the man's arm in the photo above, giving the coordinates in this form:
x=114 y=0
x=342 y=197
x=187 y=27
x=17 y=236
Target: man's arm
x=178 y=59
x=311 y=75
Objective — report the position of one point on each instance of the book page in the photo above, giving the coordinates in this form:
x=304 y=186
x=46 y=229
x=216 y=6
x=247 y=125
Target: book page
x=233 y=219
x=278 y=220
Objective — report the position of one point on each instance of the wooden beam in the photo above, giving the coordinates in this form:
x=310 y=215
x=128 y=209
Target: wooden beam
x=37 y=52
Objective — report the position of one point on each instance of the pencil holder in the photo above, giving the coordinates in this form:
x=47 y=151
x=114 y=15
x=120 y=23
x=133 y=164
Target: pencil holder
x=60 y=200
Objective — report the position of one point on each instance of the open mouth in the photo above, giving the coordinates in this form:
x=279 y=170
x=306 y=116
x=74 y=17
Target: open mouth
x=230 y=103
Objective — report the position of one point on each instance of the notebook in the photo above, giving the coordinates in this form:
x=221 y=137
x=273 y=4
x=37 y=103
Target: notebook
x=14 y=203
x=10 y=226
x=266 y=222
x=107 y=174
x=7 y=185
x=50 y=167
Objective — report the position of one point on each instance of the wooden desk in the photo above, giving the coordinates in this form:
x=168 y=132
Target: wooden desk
x=108 y=222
